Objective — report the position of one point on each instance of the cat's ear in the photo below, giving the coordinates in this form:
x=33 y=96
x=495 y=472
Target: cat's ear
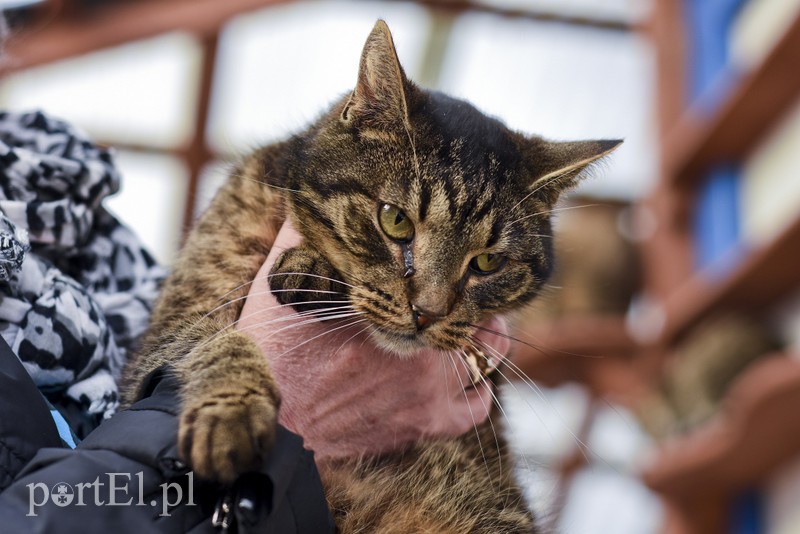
x=380 y=98
x=557 y=166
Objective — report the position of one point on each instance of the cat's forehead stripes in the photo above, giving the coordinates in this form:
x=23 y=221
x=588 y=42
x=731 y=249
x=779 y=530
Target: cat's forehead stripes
x=450 y=188
x=425 y=195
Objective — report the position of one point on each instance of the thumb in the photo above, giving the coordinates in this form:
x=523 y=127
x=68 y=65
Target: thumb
x=287 y=238
x=260 y=297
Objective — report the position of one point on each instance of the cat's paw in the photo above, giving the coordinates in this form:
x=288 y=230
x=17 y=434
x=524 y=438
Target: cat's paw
x=303 y=278
x=227 y=434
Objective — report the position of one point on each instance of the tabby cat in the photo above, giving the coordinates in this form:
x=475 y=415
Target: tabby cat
x=435 y=215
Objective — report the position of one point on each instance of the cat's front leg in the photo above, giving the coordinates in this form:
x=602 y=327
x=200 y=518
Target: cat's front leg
x=230 y=408
x=303 y=278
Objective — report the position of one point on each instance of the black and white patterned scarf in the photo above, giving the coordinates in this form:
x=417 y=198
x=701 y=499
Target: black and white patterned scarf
x=76 y=287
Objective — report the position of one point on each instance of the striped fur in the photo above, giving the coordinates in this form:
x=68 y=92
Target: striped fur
x=469 y=185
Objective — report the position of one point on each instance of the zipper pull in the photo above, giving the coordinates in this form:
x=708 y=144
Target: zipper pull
x=224 y=517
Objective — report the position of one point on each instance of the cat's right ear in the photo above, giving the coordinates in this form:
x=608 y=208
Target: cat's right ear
x=380 y=99
x=556 y=167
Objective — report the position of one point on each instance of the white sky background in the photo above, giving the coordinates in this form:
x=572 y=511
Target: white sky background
x=564 y=83
x=279 y=68
x=289 y=66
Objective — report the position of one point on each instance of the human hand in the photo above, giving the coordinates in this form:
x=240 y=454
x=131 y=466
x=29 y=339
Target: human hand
x=345 y=395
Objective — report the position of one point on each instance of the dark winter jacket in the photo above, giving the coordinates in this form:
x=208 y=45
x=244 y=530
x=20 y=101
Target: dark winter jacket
x=126 y=475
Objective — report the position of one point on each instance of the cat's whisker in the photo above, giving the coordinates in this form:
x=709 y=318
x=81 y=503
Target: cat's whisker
x=348 y=340
x=353 y=336
x=526 y=197
x=446 y=382
x=315 y=319
x=490 y=388
x=314 y=276
x=273 y=186
x=503 y=335
x=324 y=313
x=267 y=277
x=358 y=279
x=583 y=447
x=326 y=332
x=241 y=286
x=248 y=328
x=407 y=127
x=268 y=292
x=343 y=332
x=541 y=350
x=513 y=384
x=372 y=329
x=494 y=395
x=482 y=381
x=521 y=376
x=551 y=211
x=290 y=317
x=319 y=313
x=386 y=319
x=544 y=183
x=301 y=290
x=262 y=182
x=472 y=416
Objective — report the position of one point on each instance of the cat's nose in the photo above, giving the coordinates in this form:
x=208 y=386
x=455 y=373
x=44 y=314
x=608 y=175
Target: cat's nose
x=424 y=318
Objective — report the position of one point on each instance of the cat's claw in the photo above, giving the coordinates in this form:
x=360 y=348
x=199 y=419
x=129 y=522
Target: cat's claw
x=221 y=438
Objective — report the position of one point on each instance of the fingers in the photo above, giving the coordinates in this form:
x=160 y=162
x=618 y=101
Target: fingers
x=479 y=405
x=464 y=406
x=261 y=304
x=467 y=408
x=288 y=237
x=472 y=406
x=494 y=333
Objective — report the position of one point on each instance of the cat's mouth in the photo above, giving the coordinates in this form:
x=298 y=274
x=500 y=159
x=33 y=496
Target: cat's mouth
x=399 y=329
x=479 y=358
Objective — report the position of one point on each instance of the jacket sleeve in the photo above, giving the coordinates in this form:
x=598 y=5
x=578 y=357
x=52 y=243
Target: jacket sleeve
x=25 y=421
x=127 y=476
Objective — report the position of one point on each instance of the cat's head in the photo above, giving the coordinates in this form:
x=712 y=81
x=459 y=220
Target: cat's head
x=437 y=214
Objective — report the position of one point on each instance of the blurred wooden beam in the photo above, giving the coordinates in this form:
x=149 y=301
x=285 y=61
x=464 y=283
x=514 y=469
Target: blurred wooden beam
x=753 y=434
x=764 y=279
x=757 y=102
x=198 y=153
x=119 y=22
x=461 y=6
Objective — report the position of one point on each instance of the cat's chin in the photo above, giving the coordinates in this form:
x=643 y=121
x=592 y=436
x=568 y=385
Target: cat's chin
x=401 y=343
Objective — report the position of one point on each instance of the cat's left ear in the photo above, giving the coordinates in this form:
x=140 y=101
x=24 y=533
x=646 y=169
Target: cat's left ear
x=380 y=99
x=559 y=166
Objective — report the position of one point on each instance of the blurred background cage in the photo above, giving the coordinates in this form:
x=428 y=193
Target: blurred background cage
x=664 y=383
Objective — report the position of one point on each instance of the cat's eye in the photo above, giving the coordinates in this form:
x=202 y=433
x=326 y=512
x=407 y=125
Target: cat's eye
x=487 y=263
x=395 y=223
